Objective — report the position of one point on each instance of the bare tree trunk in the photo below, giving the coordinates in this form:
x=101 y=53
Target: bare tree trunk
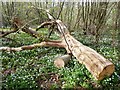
x=118 y=29
x=1 y=21
x=61 y=8
x=76 y=26
x=114 y=26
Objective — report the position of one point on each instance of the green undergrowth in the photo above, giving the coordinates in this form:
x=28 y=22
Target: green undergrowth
x=35 y=68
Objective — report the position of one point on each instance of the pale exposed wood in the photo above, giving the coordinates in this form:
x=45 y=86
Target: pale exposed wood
x=99 y=66
x=45 y=24
x=94 y=62
x=29 y=47
x=61 y=61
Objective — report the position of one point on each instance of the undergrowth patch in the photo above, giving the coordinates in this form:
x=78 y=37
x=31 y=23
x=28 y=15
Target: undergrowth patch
x=35 y=68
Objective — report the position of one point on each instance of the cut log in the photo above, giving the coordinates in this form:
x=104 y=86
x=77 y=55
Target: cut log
x=94 y=62
x=62 y=61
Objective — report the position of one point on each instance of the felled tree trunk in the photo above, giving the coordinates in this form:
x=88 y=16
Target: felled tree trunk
x=93 y=61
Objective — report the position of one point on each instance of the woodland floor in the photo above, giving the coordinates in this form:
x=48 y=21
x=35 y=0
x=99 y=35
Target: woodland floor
x=35 y=68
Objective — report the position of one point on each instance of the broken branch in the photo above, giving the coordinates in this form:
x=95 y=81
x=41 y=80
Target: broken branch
x=45 y=24
x=29 y=47
x=3 y=34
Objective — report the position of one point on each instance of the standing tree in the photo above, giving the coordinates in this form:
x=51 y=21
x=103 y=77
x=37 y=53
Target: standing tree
x=118 y=26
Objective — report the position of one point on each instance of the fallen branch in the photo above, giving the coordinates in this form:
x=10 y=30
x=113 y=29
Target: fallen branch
x=3 y=33
x=29 y=47
x=45 y=24
x=30 y=31
x=18 y=25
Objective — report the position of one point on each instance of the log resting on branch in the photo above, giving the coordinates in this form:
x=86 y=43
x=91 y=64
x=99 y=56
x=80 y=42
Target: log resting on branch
x=20 y=25
x=30 y=31
x=93 y=61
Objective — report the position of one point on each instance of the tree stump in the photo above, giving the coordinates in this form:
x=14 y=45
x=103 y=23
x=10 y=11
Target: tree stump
x=61 y=61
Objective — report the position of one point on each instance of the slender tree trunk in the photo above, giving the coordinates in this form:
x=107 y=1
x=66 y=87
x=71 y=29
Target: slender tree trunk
x=1 y=22
x=118 y=29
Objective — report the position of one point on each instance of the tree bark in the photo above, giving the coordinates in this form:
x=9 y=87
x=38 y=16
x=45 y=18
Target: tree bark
x=94 y=62
x=29 y=47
